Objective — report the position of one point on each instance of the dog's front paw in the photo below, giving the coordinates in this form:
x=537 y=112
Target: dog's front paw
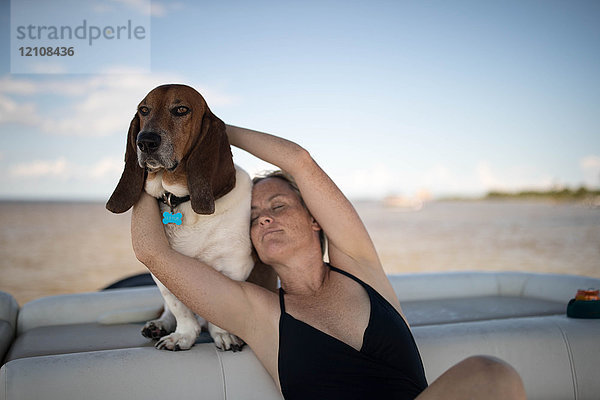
x=228 y=341
x=176 y=341
x=155 y=330
x=225 y=340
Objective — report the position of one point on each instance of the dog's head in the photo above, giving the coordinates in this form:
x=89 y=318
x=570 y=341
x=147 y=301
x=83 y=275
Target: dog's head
x=175 y=132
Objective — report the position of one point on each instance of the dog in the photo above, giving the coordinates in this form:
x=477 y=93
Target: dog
x=178 y=151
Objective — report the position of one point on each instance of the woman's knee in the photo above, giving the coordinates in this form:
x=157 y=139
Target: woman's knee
x=477 y=377
x=495 y=374
x=488 y=366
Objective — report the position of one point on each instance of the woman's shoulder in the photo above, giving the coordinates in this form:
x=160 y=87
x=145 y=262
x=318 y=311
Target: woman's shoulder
x=372 y=274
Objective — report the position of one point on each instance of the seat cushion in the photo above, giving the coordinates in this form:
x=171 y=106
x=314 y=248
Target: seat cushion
x=203 y=372
x=107 y=307
x=63 y=339
x=78 y=338
x=535 y=347
x=431 y=312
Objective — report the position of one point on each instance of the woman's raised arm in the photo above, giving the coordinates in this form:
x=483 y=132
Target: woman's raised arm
x=219 y=299
x=349 y=243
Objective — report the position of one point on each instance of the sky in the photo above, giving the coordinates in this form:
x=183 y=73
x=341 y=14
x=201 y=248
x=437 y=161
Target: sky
x=452 y=98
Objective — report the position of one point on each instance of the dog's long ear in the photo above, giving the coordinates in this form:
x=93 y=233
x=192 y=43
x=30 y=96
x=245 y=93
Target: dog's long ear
x=130 y=186
x=209 y=167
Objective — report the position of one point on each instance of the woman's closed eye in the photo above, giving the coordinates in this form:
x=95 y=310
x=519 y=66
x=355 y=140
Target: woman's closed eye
x=275 y=208
x=278 y=208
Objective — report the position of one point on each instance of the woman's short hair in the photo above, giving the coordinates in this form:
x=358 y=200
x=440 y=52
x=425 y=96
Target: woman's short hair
x=289 y=179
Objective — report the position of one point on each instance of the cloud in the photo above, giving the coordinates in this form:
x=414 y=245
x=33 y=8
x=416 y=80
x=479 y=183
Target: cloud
x=590 y=162
x=17 y=86
x=514 y=178
x=62 y=169
x=440 y=178
x=58 y=168
x=526 y=177
x=162 y=9
x=106 y=168
x=380 y=179
x=373 y=181
x=55 y=85
x=154 y=8
x=487 y=178
x=100 y=105
x=48 y=67
x=590 y=166
x=12 y=111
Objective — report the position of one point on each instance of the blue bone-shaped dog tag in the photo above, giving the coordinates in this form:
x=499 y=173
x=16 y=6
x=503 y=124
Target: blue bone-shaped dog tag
x=169 y=218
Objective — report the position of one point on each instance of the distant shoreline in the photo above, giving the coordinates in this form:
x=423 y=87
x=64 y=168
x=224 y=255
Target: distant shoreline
x=566 y=195
x=581 y=194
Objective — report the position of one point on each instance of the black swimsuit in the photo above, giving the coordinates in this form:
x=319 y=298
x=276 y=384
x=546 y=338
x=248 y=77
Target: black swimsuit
x=315 y=365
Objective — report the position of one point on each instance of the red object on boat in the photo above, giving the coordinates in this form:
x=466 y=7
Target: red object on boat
x=587 y=295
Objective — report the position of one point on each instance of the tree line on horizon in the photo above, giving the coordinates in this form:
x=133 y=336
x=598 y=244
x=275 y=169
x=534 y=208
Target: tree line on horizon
x=581 y=193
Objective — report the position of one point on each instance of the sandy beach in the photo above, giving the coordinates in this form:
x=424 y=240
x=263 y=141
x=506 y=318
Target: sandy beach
x=57 y=248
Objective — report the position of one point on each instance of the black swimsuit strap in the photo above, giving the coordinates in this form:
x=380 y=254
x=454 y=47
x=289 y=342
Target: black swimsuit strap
x=281 y=301
x=341 y=271
x=348 y=274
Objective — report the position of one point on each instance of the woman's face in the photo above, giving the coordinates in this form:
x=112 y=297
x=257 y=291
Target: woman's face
x=280 y=224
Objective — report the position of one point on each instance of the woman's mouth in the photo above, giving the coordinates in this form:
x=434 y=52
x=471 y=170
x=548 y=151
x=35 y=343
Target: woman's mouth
x=271 y=231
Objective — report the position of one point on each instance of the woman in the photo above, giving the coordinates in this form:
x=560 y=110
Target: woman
x=334 y=330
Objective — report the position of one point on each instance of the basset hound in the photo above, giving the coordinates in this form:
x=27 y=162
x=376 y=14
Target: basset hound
x=177 y=151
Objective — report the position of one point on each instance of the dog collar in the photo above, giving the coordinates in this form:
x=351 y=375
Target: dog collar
x=173 y=201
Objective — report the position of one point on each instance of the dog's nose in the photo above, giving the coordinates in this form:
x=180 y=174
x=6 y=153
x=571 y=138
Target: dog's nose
x=148 y=142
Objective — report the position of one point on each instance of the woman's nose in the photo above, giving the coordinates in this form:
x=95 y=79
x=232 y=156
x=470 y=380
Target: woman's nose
x=265 y=220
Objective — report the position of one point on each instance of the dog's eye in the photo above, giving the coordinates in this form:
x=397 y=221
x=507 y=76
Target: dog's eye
x=144 y=110
x=179 y=111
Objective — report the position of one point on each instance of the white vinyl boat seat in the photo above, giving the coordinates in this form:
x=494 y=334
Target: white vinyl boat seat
x=89 y=345
x=143 y=373
x=92 y=336
x=79 y=338
x=485 y=308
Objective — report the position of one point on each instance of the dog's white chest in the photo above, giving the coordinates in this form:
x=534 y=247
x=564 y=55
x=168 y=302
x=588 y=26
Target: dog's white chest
x=221 y=239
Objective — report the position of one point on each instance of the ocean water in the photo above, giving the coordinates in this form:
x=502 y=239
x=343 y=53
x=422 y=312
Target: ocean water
x=487 y=235
x=56 y=248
